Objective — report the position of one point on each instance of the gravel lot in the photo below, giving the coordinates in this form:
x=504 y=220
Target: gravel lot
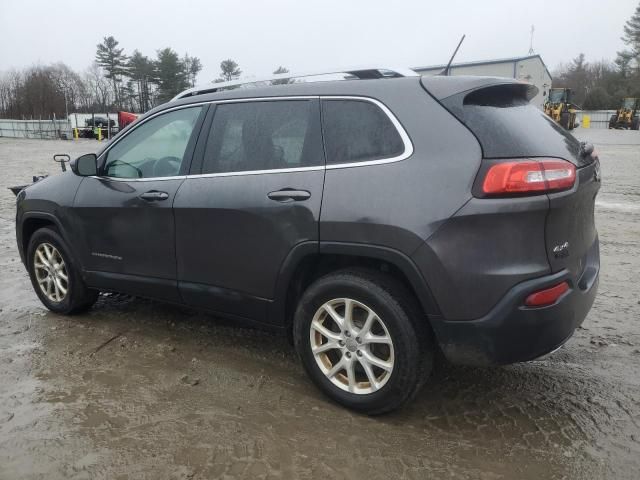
x=137 y=389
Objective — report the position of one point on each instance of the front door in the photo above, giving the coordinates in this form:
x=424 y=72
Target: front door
x=254 y=195
x=124 y=215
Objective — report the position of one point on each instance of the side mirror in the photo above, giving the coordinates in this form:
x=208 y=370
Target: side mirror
x=85 y=165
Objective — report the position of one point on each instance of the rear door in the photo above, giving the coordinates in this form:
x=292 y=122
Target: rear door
x=254 y=194
x=124 y=216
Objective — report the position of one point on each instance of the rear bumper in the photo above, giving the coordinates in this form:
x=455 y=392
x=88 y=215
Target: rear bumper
x=511 y=332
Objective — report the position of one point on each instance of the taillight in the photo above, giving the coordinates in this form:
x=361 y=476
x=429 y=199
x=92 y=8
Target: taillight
x=548 y=296
x=529 y=176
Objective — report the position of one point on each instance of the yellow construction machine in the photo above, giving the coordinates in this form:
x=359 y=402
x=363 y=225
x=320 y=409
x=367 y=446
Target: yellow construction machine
x=627 y=115
x=559 y=107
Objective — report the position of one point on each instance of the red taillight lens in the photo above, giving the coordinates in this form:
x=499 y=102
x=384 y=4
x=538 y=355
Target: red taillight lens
x=548 y=296
x=524 y=176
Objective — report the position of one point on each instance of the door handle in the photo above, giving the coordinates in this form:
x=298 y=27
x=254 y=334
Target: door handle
x=288 y=194
x=154 y=195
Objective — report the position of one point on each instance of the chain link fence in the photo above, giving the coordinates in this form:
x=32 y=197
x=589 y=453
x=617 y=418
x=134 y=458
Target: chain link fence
x=43 y=129
x=599 y=118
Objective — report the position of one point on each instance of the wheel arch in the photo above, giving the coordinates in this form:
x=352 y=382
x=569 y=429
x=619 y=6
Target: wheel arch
x=30 y=223
x=308 y=261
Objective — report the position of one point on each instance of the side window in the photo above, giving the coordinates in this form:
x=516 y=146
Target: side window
x=154 y=149
x=358 y=131
x=263 y=136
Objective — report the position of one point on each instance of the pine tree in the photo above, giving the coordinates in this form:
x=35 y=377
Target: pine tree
x=628 y=61
x=623 y=62
x=229 y=70
x=142 y=71
x=113 y=62
x=631 y=34
x=281 y=81
x=171 y=74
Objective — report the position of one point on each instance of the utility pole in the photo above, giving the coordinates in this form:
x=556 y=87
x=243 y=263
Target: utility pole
x=66 y=108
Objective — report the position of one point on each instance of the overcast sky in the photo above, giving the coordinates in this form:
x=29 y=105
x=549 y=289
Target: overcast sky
x=311 y=35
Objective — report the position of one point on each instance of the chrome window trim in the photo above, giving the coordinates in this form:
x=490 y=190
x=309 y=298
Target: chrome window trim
x=148 y=179
x=257 y=172
x=408 y=145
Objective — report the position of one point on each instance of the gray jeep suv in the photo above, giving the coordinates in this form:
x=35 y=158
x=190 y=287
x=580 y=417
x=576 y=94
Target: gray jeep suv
x=377 y=219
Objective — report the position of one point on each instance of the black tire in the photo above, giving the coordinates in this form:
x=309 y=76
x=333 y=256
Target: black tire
x=612 y=121
x=564 y=120
x=635 y=123
x=78 y=297
x=403 y=318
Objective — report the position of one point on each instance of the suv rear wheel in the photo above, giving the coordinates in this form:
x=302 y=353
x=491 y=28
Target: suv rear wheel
x=363 y=340
x=55 y=276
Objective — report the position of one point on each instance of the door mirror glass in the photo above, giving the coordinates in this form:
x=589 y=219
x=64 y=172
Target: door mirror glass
x=85 y=165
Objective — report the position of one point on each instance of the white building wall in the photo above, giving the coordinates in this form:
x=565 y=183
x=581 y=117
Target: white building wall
x=491 y=70
x=530 y=70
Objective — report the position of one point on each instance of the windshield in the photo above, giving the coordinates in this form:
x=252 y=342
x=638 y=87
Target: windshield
x=556 y=96
x=629 y=103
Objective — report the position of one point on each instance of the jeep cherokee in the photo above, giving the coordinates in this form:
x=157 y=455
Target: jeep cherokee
x=377 y=220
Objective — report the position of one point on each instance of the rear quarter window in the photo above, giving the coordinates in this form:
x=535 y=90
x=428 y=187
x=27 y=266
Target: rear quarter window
x=358 y=131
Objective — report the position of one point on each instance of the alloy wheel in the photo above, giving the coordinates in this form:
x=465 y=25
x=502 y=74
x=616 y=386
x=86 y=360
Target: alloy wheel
x=352 y=346
x=51 y=272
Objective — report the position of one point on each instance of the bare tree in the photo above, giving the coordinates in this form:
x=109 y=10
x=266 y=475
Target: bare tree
x=98 y=86
x=192 y=67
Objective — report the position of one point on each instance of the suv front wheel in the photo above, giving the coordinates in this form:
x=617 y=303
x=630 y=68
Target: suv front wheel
x=55 y=276
x=363 y=340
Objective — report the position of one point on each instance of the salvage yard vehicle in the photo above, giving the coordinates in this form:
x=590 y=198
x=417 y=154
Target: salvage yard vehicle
x=99 y=122
x=627 y=116
x=377 y=220
x=559 y=107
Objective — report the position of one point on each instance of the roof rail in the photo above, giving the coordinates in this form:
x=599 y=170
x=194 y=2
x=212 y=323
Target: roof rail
x=360 y=73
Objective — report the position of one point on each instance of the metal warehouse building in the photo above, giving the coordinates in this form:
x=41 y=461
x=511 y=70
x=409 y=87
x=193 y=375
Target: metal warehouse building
x=529 y=69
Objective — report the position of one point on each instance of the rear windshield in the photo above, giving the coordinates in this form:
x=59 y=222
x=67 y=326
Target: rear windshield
x=508 y=126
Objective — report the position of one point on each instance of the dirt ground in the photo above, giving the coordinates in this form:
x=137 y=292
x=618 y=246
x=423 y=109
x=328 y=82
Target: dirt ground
x=138 y=389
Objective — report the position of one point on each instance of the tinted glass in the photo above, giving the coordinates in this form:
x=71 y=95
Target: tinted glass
x=263 y=136
x=154 y=149
x=357 y=131
x=556 y=96
x=507 y=125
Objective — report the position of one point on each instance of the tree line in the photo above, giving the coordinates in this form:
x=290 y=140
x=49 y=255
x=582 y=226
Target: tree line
x=114 y=81
x=603 y=84
x=137 y=82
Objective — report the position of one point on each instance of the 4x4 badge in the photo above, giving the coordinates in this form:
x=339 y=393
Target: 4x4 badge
x=562 y=250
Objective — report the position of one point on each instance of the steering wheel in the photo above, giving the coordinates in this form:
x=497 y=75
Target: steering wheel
x=166 y=167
